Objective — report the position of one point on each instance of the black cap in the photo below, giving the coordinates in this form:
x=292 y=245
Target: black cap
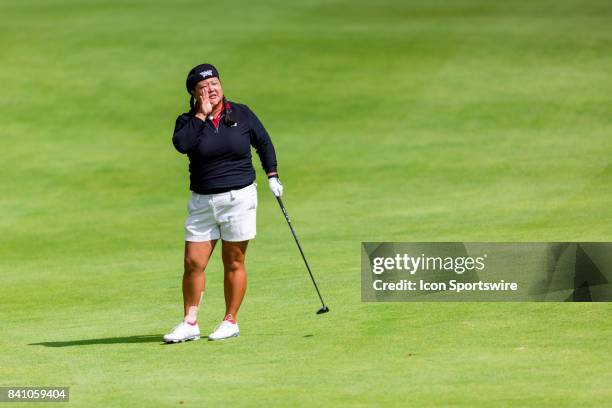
x=200 y=73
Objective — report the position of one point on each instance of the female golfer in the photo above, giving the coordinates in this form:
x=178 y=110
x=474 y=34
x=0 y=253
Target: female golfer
x=217 y=136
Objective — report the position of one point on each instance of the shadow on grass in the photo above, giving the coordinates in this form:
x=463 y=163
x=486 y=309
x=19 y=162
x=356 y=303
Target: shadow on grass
x=149 y=338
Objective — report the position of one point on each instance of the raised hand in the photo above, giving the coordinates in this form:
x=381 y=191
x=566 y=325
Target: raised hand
x=203 y=105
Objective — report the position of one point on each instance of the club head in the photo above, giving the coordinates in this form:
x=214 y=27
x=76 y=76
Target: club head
x=322 y=310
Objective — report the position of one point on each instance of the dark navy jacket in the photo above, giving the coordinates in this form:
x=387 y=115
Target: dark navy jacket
x=220 y=157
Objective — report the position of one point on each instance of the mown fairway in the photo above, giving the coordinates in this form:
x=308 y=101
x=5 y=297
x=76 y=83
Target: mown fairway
x=392 y=120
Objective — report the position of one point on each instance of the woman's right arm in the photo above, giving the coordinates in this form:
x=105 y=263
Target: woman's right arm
x=186 y=133
x=188 y=128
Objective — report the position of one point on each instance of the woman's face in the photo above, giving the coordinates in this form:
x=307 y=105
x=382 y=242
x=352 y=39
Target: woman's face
x=213 y=87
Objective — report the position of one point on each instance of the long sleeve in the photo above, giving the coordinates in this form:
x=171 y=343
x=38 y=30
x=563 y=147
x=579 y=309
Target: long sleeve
x=186 y=133
x=262 y=143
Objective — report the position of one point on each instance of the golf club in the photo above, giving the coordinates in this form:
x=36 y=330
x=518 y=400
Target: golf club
x=324 y=308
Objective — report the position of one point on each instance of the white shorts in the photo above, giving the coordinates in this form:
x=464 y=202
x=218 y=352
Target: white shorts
x=230 y=216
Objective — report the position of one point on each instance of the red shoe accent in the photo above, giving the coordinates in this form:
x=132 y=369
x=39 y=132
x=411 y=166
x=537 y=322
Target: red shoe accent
x=229 y=318
x=192 y=324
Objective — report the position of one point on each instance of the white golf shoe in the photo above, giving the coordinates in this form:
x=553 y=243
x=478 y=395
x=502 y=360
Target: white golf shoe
x=225 y=330
x=183 y=332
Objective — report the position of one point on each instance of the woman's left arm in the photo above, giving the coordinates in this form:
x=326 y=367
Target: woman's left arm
x=262 y=143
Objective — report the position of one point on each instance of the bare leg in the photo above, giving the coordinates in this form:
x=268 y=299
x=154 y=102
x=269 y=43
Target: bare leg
x=235 y=279
x=197 y=255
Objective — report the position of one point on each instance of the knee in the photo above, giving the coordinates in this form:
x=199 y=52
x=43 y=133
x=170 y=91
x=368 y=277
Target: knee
x=233 y=265
x=193 y=264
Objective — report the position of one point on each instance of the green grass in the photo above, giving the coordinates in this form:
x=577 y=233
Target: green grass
x=393 y=121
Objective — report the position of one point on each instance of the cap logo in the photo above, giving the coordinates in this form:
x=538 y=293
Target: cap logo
x=206 y=73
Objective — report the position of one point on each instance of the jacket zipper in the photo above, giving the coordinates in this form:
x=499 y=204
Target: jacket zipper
x=216 y=127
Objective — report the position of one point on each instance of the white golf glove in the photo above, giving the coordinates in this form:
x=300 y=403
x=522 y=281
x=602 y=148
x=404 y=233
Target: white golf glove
x=275 y=186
